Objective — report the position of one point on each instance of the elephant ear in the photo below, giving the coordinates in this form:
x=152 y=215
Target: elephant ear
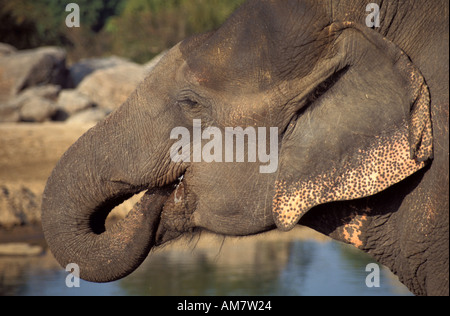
x=365 y=125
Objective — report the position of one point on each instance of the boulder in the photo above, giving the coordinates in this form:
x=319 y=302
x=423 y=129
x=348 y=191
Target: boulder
x=36 y=104
x=109 y=88
x=50 y=92
x=85 y=67
x=30 y=68
x=37 y=110
x=72 y=101
x=6 y=49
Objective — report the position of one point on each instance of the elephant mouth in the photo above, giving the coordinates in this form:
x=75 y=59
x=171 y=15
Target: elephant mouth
x=175 y=213
x=170 y=197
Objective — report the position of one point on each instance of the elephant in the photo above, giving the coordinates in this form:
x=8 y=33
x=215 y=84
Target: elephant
x=360 y=112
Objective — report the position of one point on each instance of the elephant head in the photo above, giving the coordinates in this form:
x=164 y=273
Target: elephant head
x=347 y=111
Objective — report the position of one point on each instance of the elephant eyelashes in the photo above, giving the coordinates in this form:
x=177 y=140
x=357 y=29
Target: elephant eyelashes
x=189 y=99
x=189 y=103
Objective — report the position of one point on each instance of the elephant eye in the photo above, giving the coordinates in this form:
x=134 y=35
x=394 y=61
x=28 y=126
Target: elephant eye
x=189 y=102
x=192 y=100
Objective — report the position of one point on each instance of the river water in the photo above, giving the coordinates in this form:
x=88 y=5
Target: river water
x=275 y=264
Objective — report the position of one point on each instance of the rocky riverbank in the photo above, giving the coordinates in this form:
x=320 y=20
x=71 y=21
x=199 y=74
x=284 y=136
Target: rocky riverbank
x=37 y=85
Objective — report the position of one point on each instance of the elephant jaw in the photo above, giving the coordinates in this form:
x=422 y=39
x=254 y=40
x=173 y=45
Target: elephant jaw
x=175 y=215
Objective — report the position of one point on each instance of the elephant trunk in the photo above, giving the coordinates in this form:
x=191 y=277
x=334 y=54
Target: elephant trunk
x=110 y=163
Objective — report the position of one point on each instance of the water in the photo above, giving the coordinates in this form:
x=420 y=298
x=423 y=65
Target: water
x=217 y=266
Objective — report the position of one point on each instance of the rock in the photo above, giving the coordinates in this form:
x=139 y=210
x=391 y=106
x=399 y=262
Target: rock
x=30 y=68
x=114 y=80
x=6 y=49
x=85 y=67
x=20 y=249
x=50 y=92
x=92 y=115
x=37 y=110
x=37 y=76
x=36 y=104
x=73 y=101
x=109 y=88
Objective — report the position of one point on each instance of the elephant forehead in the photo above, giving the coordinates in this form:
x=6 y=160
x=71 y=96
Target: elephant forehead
x=230 y=58
x=238 y=75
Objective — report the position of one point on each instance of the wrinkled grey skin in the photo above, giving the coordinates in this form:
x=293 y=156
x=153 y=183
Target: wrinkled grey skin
x=330 y=85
